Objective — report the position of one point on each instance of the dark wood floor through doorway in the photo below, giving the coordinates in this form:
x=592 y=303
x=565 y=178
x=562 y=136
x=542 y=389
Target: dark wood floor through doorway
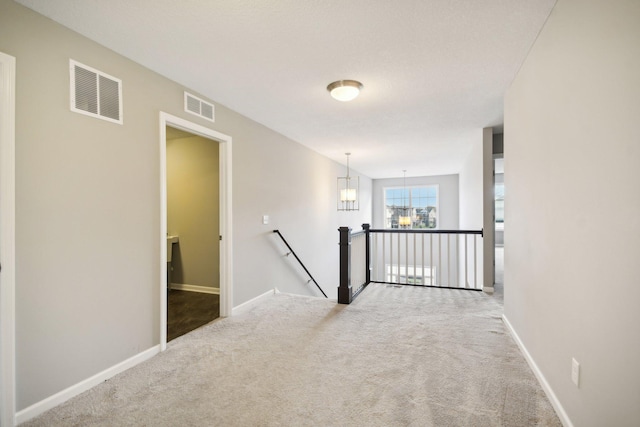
x=187 y=311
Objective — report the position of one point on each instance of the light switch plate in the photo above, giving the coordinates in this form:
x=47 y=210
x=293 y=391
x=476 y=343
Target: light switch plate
x=575 y=372
x=265 y=219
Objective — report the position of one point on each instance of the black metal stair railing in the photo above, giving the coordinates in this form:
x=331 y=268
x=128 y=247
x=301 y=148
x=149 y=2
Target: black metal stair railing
x=417 y=257
x=292 y=252
x=354 y=263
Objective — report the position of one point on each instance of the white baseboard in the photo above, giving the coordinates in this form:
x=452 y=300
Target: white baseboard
x=488 y=289
x=66 y=394
x=248 y=304
x=562 y=414
x=195 y=288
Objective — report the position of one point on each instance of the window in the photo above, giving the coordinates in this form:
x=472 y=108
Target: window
x=418 y=203
x=499 y=204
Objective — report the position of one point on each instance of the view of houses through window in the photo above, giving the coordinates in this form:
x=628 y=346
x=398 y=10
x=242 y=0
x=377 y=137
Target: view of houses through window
x=418 y=203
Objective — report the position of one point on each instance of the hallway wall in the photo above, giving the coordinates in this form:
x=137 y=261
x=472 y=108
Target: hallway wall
x=472 y=203
x=88 y=210
x=572 y=235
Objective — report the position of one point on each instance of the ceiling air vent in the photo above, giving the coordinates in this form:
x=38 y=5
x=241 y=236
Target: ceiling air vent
x=199 y=107
x=95 y=93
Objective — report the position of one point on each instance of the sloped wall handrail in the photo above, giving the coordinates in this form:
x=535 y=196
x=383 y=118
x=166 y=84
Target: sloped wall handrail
x=299 y=261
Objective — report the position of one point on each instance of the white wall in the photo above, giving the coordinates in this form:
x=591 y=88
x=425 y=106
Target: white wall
x=296 y=187
x=88 y=209
x=448 y=213
x=471 y=199
x=572 y=240
x=471 y=188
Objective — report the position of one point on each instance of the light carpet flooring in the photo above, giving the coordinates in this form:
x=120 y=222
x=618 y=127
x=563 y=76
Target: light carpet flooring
x=397 y=356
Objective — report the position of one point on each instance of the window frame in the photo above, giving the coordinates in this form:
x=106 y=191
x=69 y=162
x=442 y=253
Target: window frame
x=410 y=188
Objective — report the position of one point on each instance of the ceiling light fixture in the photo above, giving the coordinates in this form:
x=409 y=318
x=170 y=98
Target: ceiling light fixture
x=348 y=188
x=345 y=90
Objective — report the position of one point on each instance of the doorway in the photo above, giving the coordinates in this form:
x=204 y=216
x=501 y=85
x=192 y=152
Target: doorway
x=193 y=226
x=225 y=226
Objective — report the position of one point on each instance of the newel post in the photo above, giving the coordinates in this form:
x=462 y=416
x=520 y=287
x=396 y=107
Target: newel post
x=344 y=290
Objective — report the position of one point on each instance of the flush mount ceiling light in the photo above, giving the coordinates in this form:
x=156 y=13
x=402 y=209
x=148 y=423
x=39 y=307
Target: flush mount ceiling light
x=348 y=188
x=345 y=90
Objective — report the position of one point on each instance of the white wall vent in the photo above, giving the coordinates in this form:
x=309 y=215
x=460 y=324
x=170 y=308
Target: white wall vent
x=95 y=93
x=199 y=107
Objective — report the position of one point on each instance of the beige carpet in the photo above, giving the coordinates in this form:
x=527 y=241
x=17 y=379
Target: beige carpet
x=402 y=356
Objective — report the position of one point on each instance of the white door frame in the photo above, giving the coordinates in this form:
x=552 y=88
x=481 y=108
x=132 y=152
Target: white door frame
x=226 y=248
x=7 y=241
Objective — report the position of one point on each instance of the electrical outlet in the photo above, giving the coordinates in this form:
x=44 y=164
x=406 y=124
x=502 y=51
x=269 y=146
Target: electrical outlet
x=265 y=219
x=575 y=372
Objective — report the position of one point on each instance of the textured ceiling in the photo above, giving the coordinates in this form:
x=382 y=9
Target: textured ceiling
x=434 y=71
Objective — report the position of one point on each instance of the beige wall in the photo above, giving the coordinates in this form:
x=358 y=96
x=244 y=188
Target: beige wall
x=572 y=224
x=193 y=210
x=88 y=209
x=471 y=180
